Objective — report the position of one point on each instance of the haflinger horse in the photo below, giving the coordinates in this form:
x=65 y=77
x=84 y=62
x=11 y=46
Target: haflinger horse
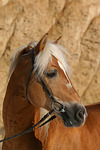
x=39 y=82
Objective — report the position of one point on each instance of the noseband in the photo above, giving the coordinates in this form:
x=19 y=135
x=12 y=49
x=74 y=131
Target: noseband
x=54 y=102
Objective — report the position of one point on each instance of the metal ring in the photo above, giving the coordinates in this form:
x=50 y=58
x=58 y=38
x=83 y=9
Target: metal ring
x=62 y=105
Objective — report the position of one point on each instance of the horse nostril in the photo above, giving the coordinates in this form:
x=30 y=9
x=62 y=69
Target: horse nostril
x=80 y=115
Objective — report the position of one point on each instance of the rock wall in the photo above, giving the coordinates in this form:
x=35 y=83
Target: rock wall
x=77 y=21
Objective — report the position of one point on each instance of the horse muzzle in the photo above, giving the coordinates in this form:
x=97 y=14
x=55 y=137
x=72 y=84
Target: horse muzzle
x=72 y=114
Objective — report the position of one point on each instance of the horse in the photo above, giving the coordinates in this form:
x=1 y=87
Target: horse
x=39 y=82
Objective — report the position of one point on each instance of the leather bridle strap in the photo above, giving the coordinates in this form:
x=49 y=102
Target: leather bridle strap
x=47 y=90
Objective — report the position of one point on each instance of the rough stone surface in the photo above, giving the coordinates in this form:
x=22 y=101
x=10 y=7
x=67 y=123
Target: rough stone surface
x=77 y=21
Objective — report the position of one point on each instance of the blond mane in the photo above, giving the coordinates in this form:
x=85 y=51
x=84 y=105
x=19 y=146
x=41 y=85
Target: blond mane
x=42 y=59
x=15 y=60
x=16 y=57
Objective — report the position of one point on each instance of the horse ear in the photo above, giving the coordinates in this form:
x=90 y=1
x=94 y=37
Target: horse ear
x=56 y=42
x=26 y=50
x=41 y=44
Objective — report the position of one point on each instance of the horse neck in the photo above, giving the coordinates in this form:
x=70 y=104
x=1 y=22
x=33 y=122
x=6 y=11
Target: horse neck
x=93 y=111
x=48 y=130
x=18 y=114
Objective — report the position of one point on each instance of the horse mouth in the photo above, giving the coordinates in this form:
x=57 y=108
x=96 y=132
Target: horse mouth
x=69 y=123
x=72 y=122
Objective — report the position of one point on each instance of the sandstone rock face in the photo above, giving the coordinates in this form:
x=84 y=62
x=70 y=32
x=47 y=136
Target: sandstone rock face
x=77 y=21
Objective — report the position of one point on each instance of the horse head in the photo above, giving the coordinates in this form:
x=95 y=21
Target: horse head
x=51 y=66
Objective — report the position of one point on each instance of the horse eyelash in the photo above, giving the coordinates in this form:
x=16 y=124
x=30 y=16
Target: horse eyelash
x=51 y=74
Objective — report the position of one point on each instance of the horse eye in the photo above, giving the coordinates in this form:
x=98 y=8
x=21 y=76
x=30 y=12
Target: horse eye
x=51 y=74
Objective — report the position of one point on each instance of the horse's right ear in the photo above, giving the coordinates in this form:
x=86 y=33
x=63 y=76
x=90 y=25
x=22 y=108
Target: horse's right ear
x=56 y=41
x=41 y=44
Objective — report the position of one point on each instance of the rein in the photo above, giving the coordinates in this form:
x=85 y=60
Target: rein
x=33 y=127
x=54 y=101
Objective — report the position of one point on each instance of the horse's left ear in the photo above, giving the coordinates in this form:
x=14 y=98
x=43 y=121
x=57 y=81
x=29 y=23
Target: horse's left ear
x=41 y=44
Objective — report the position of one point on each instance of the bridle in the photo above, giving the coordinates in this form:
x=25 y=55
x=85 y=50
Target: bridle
x=54 y=101
x=46 y=89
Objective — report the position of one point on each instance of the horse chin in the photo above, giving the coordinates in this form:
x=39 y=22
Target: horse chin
x=69 y=124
